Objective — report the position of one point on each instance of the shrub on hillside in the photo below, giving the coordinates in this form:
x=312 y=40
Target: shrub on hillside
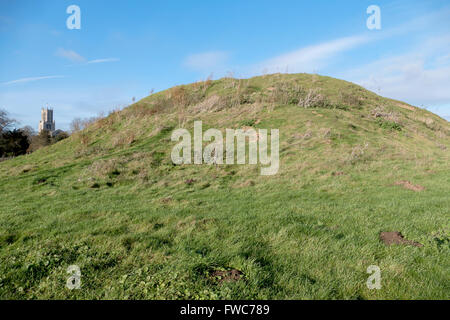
x=61 y=135
x=313 y=99
x=79 y=124
x=389 y=125
x=41 y=140
x=13 y=143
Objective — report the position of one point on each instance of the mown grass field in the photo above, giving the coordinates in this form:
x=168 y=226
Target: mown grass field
x=109 y=200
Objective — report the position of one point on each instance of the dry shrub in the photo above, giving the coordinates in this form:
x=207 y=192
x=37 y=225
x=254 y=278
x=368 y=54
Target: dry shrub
x=41 y=140
x=143 y=175
x=142 y=110
x=325 y=132
x=231 y=83
x=430 y=123
x=197 y=85
x=79 y=124
x=84 y=139
x=212 y=104
x=202 y=86
x=161 y=103
x=380 y=112
x=244 y=93
x=108 y=121
x=350 y=99
x=443 y=132
x=179 y=96
x=102 y=168
x=286 y=93
x=313 y=98
x=125 y=138
x=207 y=83
x=357 y=153
x=235 y=99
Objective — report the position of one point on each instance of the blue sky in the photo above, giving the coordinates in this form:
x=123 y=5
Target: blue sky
x=125 y=49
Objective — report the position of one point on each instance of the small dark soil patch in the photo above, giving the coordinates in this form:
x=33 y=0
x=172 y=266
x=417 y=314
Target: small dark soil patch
x=115 y=172
x=8 y=239
x=395 y=237
x=220 y=276
x=95 y=186
x=189 y=181
x=158 y=226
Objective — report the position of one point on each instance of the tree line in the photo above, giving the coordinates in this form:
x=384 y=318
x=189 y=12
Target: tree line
x=15 y=142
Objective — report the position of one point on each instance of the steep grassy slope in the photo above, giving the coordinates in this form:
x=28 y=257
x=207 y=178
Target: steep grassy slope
x=109 y=200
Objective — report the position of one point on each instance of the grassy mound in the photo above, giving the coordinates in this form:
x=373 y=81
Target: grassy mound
x=352 y=165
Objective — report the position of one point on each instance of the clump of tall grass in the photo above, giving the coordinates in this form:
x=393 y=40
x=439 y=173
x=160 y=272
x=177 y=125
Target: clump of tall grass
x=286 y=93
x=123 y=139
x=103 y=168
x=313 y=98
x=380 y=112
x=358 y=153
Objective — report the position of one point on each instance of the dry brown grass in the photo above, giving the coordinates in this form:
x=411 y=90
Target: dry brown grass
x=313 y=98
x=123 y=138
x=351 y=99
x=102 y=168
x=381 y=112
x=286 y=93
x=210 y=104
x=84 y=139
x=358 y=153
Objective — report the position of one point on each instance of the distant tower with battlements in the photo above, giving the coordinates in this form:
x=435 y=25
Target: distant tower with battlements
x=47 y=122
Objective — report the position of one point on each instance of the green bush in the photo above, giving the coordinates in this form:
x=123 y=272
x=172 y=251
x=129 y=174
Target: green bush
x=389 y=125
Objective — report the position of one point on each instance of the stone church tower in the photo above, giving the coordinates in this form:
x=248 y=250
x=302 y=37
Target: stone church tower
x=47 y=122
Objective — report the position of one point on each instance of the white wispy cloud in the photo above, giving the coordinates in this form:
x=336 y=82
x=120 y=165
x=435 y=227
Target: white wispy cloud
x=309 y=58
x=206 y=61
x=70 y=55
x=103 y=60
x=79 y=59
x=30 y=79
x=420 y=76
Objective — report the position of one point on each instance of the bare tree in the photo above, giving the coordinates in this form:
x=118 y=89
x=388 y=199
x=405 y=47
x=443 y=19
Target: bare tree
x=76 y=125
x=79 y=124
x=5 y=121
x=41 y=140
x=28 y=131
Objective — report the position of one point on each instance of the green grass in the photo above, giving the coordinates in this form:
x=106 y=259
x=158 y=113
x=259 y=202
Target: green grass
x=120 y=210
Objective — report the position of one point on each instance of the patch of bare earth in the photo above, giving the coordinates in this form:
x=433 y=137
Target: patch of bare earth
x=405 y=106
x=408 y=185
x=395 y=237
x=226 y=275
